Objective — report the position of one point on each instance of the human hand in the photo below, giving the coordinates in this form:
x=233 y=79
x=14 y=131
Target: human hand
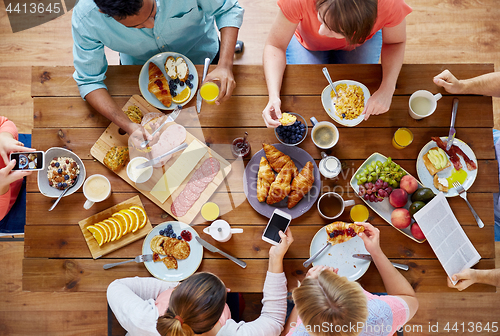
x=8 y=145
x=7 y=176
x=272 y=113
x=316 y=270
x=224 y=75
x=371 y=238
x=449 y=82
x=138 y=136
x=465 y=279
x=278 y=251
x=378 y=103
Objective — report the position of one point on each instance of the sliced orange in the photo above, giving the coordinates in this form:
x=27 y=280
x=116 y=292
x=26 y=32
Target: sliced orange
x=111 y=230
x=123 y=220
x=113 y=227
x=135 y=219
x=97 y=233
x=107 y=232
x=126 y=214
x=182 y=96
x=143 y=218
x=118 y=228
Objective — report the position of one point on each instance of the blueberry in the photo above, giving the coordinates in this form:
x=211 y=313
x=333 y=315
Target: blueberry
x=302 y=126
x=331 y=235
x=173 y=93
x=190 y=85
x=179 y=237
x=173 y=235
x=57 y=164
x=161 y=232
x=64 y=184
x=66 y=177
x=181 y=84
x=190 y=77
x=174 y=86
x=343 y=115
x=59 y=171
x=169 y=226
x=59 y=185
x=176 y=81
x=188 y=82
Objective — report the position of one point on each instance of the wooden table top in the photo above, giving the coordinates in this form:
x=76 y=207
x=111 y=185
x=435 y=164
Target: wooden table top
x=58 y=259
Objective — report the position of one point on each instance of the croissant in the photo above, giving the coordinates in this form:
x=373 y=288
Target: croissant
x=158 y=85
x=301 y=184
x=276 y=158
x=265 y=177
x=280 y=188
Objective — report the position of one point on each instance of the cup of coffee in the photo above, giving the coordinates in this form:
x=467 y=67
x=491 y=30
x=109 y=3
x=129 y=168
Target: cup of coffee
x=331 y=205
x=423 y=103
x=96 y=188
x=324 y=134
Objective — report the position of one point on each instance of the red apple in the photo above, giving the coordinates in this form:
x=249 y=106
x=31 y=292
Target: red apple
x=400 y=218
x=398 y=198
x=409 y=184
x=416 y=231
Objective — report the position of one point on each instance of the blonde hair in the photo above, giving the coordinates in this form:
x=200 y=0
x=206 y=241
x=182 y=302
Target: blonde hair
x=332 y=299
x=195 y=306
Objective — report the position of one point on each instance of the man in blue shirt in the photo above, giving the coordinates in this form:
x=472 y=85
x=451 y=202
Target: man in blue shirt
x=140 y=29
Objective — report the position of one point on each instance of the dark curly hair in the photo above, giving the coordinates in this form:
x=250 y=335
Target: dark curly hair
x=119 y=9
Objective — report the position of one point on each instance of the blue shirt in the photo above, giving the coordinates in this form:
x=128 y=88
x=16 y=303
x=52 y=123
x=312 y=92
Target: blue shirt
x=183 y=26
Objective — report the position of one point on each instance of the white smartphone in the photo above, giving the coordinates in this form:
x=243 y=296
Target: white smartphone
x=28 y=160
x=279 y=221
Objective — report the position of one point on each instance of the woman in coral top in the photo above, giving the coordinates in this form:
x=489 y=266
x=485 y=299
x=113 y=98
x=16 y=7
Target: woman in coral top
x=10 y=181
x=336 y=31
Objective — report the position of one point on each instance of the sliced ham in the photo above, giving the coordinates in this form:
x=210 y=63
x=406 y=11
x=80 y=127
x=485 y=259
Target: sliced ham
x=172 y=137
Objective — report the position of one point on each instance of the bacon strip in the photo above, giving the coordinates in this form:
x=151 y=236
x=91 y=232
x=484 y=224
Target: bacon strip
x=455 y=160
x=471 y=165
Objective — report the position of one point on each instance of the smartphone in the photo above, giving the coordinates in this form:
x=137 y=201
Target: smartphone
x=279 y=221
x=28 y=160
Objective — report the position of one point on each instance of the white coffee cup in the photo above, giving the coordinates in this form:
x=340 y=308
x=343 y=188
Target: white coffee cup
x=329 y=136
x=220 y=230
x=96 y=188
x=336 y=198
x=423 y=103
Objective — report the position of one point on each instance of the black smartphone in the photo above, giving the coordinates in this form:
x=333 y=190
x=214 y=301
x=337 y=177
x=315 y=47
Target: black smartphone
x=279 y=221
x=28 y=160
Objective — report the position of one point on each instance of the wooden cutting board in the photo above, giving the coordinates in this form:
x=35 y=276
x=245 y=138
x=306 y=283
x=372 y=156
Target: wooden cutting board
x=112 y=137
x=98 y=251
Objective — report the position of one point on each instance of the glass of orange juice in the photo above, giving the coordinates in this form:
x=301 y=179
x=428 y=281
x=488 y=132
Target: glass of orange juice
x=209 y=91
x=402 y=138
x=359 y=213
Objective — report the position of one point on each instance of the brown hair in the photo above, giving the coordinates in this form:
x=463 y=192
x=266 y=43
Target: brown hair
x=332 y=299
x=354 y=19
x=195 y=306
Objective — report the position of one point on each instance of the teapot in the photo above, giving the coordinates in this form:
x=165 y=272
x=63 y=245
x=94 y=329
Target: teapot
x=221 y=231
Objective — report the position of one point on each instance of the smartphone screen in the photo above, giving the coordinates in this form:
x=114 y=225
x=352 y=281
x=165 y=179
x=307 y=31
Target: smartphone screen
x=276 y=224
x=28 y=160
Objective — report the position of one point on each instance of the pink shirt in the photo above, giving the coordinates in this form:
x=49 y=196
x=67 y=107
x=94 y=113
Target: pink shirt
x=8 y=199
x=163 y=300
x=390 y=13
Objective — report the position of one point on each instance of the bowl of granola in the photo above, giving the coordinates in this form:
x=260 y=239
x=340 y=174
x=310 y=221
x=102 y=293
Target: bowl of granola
x=61 y=168
x=348 y=108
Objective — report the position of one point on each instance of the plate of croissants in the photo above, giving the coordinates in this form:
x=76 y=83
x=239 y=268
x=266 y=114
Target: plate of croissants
x=280 y=176
x=166 y=77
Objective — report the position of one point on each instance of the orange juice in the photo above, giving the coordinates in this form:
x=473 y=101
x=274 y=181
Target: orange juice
x=359 y=213
x=209 y=92
x=402 y=138
x=210 y=211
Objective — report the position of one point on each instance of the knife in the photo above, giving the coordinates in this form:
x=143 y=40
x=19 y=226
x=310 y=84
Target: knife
x=156 y=160
x=212 y=248
x=198 y=97
x=452 y=133
x=369 y=257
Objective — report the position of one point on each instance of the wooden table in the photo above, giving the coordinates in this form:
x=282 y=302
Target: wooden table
x=58 y=259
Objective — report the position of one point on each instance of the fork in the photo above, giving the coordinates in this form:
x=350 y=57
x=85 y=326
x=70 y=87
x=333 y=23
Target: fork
x=138 y=259
x=171 y=117
x=461 y=191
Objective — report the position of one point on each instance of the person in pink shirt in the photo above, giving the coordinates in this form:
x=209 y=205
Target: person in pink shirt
x=336 y=31
x=10 y=181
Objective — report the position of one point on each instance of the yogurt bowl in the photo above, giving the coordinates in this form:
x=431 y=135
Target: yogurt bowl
x=139 y=175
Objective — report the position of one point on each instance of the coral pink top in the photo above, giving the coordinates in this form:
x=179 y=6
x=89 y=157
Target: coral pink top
x=163 y=300
x=8 y=199
x=390 y=13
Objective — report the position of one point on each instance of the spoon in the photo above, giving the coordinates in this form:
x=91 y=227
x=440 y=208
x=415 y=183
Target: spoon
x=64 y=193
x=327 y=75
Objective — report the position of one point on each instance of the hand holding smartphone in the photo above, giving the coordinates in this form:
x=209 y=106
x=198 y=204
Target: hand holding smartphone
x=279 y=221
x=28 y=161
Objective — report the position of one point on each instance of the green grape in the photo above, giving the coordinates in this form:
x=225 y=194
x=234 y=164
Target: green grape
x=359 y=182
x=389 y=160
x=384 y=164
x=363 y=179
x=374 y=164
x=369 y=179
x=387 y=179
x=395 y=184
x=370 y=169
x=377 y=170
x=374 y=174
x=379 y=163
x=365 y=172
x=398 y=167
x=387 y=169
x=358 y=177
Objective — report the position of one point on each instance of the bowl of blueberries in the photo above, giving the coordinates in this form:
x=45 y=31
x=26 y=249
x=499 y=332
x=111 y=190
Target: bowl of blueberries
x=293 y=134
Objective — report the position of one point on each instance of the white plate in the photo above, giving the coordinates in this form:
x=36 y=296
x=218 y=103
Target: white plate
x=160 y=60
x=330 y=108
x=383 y=209
x=340 y=255
x=427 y=179
x=185 y=267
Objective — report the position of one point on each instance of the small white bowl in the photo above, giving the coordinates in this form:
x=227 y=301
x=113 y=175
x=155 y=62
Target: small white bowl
x=43 y=181
x=142 y=176
x=304 y=134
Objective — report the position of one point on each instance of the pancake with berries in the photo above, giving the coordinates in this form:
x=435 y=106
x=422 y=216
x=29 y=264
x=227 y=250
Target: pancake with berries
x=340 y=232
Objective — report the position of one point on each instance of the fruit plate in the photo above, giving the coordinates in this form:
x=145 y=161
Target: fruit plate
x=98 y=251
x=384 y=209
x=330 y=108
x=340 y=255
x=185 y=267
x=427 y=179
x=300 y=158
x=160 y=60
